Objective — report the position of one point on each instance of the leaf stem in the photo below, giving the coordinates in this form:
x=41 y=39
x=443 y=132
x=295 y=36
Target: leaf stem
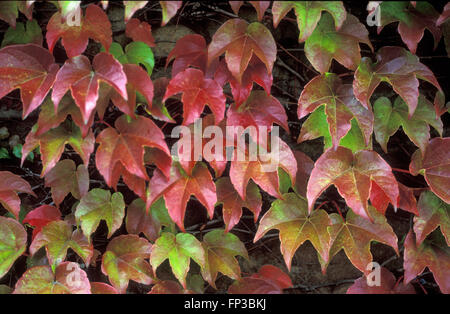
x=401 y=170
x=338 y=209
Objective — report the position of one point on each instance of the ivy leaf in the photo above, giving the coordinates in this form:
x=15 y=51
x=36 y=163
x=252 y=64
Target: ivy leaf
x=136 y=52
x=41 y=216
x=30 y=68
x=240 y=41
x=341 y=107
x=233 y=203
x=325 y=43
x=178 y=249
x=158 y=110
x=308 y=14
x=263 y=171
x=68 y=278
x=131 y=7
x=179 y=187
x=99 y=205
x=94 y=24
x=260 y=7
x=388 y=285
x=29 y=33
x=57 y=237
x=169 y=10
x=66 y=8
x=412 y=21
x=220 y=248
x=435 y=166
x=435 y=256
x=140 y=31
x=124 y=260
x=352 y=175
x=67 y=178
x=82 y=79
x=151 y=223
x=433 y=213
x=198 y=91
x=168 y=287
x=9 y=11
x=268 y=280
x=10 y=185
x=189 y=50
x=389 y=118
x=102 y=288
x=124 y=147
x=406 y=199
x=290 y=216
x=355 y=234
x=13 y=242
x=444 y=15
x=53 y=142
x=400 y=69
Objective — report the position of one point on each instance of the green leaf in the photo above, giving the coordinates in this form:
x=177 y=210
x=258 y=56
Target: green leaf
x=135 y=52
x=4 y=154
x=31 y=33
x=13 y=242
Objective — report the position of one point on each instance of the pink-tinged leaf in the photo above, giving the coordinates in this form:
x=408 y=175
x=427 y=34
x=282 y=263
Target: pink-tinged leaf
x=221 y=249
x=264 y=170
x=167 y=287
x=58 y=237
x=158 y=110
x=68 y=278
x=41 y=216
x=235 y=6
x=352 y=175
x=355 y=234
x=124 y=145
x=189 y=50
x=67 y=178
x=53 y=142
x=233 y=203
x=290 y=216
x=9 y=11
x=178 y=189
x=260 y=7
x=435 y=166
x=131 y=7
x=444 y=15
x=308 y=14
x=169 y=10
x=304 y=167
x=325 y=43
x=10 y=185
x=406 y=199
x=150 y=224
x=341 y=106
x=387 y=285
x=412 y=21
x=94 y=24
x=30 y=68
x=435 y=257
x=433 y=213
x=13 y=242
x=140 y=31
x=399 y=68
x=440 y=107
x=198 y=91
x=125 y=260
x=102 y=288
x=268 y=280
x=240 y=41
x=179 y=250
x=82 y=79
x=100 y=205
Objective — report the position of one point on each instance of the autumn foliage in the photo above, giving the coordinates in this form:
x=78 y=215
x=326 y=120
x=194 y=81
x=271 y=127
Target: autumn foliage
x=225 y=81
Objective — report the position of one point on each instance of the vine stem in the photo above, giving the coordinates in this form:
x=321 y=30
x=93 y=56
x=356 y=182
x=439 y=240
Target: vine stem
x=105 y=123
x=401 y=170
x=338 y=209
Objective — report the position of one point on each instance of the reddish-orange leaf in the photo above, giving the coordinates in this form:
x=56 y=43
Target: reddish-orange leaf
x=10 y=185
x=189 y=50
x=41 y=216
x=304 y=167
x=352 y=175
x=406 y=199
x=102 y=288
x=233 y=203
x=268 y=280
x=387 y=285
x=240 y=41
x=82 y=79
x=94 y=24
x=168 y=287
x=30 y=68
x=140 y=31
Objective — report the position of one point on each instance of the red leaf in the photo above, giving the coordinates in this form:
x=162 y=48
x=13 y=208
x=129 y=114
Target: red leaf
x=178 y=189
x=240 y=41
x=83 y=80
x=260 y=7
x=30 y=68
x=388 y=285
x=352 y=175
x=157 y=109
x=444 y=15
x=304 y=167
x=197 y=92
x=125 y=145
x=102 y=288
x=41 y=216
x=95 y=25
x=268 y=280
x=10 y=185
x=189 y=50
x=169 y=10
x=406 y=199
x=167 y=287
x=435 y=166
x=140 y=31
x=233 y=203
